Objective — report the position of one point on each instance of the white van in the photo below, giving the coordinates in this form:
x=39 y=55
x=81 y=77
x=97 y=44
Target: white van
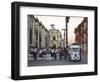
x=74 y=52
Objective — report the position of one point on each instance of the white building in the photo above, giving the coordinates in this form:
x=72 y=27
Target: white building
x=55 y=38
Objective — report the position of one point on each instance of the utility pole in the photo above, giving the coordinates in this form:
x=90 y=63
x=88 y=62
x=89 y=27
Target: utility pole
x=66 y=32
x=67 y=20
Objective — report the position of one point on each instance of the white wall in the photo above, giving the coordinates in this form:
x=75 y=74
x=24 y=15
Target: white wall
x=5 y=40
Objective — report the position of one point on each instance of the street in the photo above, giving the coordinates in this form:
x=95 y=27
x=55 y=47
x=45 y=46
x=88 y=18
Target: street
x=49 y=62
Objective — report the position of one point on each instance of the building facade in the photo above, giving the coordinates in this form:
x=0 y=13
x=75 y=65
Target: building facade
x=55 y=38
x=38 y=35
x=81 y=35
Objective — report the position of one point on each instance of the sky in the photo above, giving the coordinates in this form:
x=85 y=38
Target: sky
x=59 y=22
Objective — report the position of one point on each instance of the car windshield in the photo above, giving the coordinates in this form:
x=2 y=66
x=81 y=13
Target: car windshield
x=75 y=49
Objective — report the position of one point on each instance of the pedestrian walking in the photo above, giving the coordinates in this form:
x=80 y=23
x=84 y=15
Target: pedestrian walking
x=35 y=53
x=61 y=53
x=52 y=52
x=65 y=53
x=55 y=54
x=40 y=52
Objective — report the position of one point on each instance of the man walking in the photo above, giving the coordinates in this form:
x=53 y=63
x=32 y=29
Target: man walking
x=35 y=53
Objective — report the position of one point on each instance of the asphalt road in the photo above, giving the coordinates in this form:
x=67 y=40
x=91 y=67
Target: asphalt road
x=57 y=62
